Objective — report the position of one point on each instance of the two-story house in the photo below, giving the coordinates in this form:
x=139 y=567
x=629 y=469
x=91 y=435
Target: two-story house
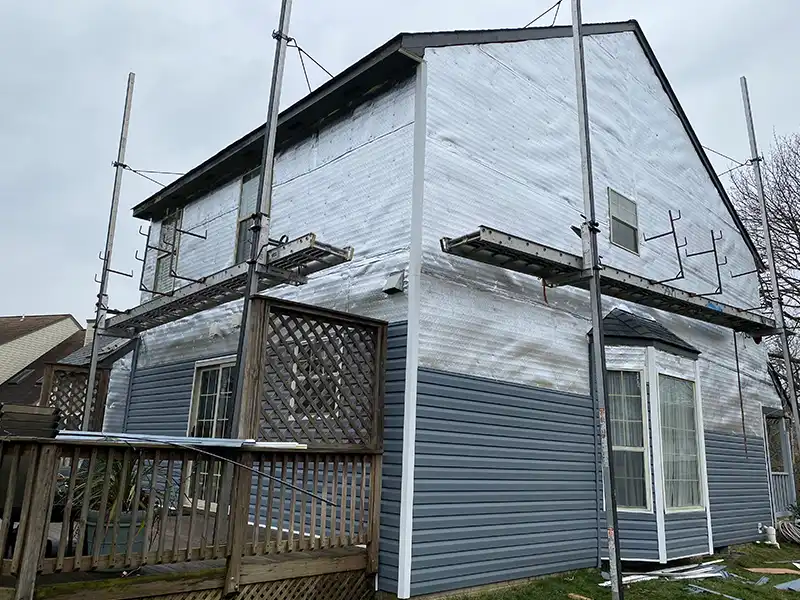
x=491 y=463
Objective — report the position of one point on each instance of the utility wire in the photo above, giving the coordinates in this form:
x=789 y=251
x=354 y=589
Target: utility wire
x=738 y=162
x=556 y=5
x=555 y=16
x=160 y=172
x=305 y=71
x=292 y=43
x=731 y=170
x=139 y=173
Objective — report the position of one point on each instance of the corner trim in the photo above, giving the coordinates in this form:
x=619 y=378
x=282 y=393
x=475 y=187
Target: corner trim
x=412 y=339
x=658 y=457
x=134 y=360
x=702 y=449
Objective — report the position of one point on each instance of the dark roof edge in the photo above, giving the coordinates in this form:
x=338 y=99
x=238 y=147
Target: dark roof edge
x=409 y=44
x=648 y=50
x=142 y=209
x=414 y=45
x=643 y=342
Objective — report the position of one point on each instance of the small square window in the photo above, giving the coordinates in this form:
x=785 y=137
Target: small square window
x=247 y=206
x=624 y=221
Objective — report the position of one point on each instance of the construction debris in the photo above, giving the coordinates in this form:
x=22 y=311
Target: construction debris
x=696 y=589
x=705 y=570
x=792 y=586
x=774 y=571
x=577 y=597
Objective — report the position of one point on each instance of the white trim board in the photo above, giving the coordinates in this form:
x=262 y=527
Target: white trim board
x=412 y=339
x=658 y=457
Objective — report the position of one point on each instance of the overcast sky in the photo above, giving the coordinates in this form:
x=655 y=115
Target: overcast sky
x=202 y=71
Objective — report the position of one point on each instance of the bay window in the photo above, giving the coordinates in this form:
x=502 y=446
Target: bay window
x=628 y=436
x=679 y=443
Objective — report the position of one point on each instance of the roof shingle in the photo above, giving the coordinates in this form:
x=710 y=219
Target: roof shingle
x=17 y=326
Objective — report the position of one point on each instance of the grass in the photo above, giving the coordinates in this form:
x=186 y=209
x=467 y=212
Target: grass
x=737 y=559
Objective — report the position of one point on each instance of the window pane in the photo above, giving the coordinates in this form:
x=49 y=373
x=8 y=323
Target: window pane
x=679 y=442
x=247 y=201
x=629 y=476
x=775 y=443
x=243 y=241
x=625 y=404
x=627 y=435
x=624 y=235
x=225 y=403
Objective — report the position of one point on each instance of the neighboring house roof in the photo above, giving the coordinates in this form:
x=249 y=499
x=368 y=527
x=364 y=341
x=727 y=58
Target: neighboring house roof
x=29 y=388
x=622 y=328
x=392 y=62
x=111 y=350
x=17 y=326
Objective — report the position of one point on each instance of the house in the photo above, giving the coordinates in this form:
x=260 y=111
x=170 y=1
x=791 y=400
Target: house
x=27 y=344
x=449 y=161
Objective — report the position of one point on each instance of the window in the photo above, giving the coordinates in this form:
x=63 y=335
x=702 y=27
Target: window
x=21 y=376
x=247 y=206
x=679 y=443
x=624 y=221
x=775 y=445
x=212 y=411
x=167 y=259
x=628 y=435
x=213 y=400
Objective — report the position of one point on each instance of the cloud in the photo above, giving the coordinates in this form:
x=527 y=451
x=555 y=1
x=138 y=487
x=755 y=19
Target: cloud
x=202 y=71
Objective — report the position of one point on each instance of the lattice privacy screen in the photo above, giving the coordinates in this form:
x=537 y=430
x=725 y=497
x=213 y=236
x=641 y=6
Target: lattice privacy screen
x=322 y=378
x=67 y=393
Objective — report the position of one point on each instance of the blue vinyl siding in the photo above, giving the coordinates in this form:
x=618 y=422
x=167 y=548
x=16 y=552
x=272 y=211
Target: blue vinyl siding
x=738 y=486
x=686 y=533
x=392 y=457
x=638 y=536
x=504 y=484
x=160 y=399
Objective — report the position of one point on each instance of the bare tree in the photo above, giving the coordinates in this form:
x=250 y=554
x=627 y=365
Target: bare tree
x=781 y=174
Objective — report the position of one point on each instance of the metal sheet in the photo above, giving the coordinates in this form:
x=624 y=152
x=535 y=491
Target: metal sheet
x=117 y=396
x=502 y=149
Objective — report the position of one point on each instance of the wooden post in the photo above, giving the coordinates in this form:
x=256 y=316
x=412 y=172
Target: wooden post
x=47 y=384
x=373 y=533
x=38 y=521
x=240 y=506
x=253 y=383
x=381 y=348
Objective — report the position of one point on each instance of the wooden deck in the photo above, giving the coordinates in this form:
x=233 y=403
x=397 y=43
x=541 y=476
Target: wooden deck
x=197 y=576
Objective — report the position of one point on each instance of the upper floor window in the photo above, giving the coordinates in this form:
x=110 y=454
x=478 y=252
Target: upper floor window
x=167 y=259
x=679 y=441
x=247 y=206
x=628 y=436
x=624 y=221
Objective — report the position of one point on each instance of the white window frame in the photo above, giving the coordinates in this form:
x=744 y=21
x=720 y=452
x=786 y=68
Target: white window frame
x=699 y=439
x=199 y=365
x=612 y=216
x=336 y=375
x=168 y=254
x=243 y=220
x=648 y=476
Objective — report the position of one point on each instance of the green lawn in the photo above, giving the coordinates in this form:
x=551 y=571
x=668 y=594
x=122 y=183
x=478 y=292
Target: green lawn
x=737 y=559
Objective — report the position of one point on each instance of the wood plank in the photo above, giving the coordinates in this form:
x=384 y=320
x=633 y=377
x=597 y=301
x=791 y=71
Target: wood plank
x=168 y=483
x=99 y=533
x=252 y=384
x=10 y=493
x=151 y=498
x=332 y=540
x=181 y=490
x=281 y=507
x=303 y=505
x=82 y=523
x=137 y=492
x=27 y=499
x=258 y=570
x=323 y=523
x=354 y=472
x=295 y=462
x=66 y=526
x=313 y=525
x=242 y=480
x=270 y=500
x=195 y=493
x=38 y=521
x=135 y=587
x=259 y=498
x=362 y=513
x=116 y=512
x=373 y=533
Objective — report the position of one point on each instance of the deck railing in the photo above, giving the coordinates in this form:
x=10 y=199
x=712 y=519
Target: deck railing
x=88 y=505
x=782 y=493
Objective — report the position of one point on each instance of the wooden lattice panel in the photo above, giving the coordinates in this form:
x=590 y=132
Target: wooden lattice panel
x=322 y=378
x=67 y=393
x=215 y=594
x=348 y=585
